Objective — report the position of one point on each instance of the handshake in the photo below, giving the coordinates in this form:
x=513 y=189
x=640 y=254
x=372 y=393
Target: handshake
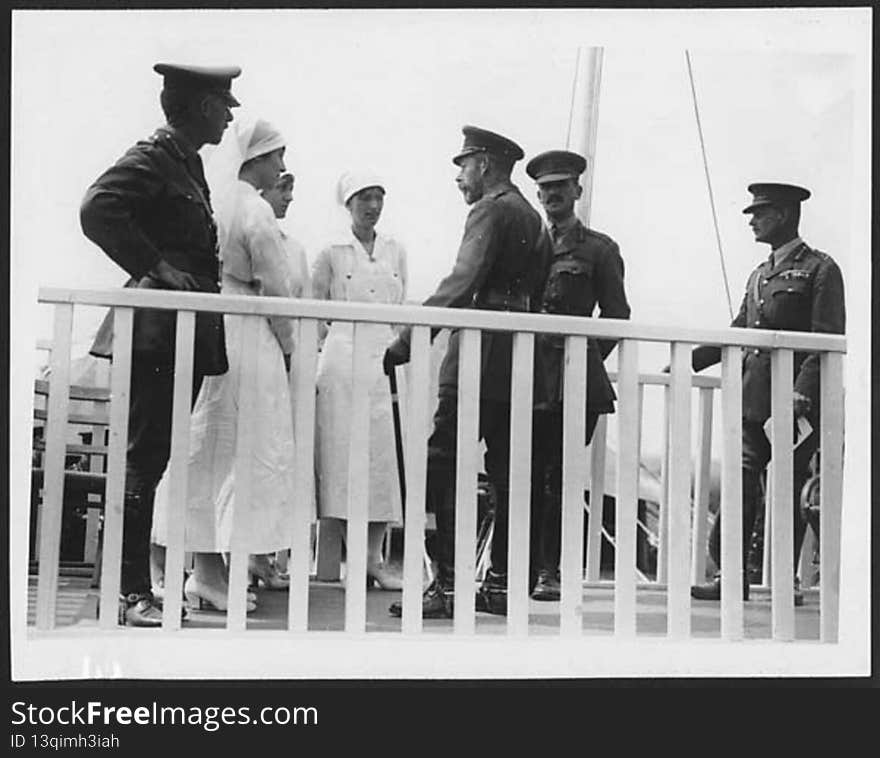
x=397 y=353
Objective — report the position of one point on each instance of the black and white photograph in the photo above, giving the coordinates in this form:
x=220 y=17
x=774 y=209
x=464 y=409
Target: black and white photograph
x=424 y=344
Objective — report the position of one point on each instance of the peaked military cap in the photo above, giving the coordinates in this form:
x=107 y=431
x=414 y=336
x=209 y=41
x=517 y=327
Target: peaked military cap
x=769 y=193
x=555 y=166
x=197 y=79
x=478 y=140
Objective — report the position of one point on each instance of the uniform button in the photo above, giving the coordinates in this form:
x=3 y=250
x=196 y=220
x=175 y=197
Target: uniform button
x=757 y=352
x=761 y=301
x=765 y=281
x=758 y=323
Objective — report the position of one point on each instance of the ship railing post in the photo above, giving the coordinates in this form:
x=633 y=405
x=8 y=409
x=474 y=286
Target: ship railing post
x=598 y=451
x=358 y=486
x=415 y=468
x=574 y=421
x=468 y=421
x=518 y=553
x=178 y=469
x=53 y=479
x=702 y=485
x=626 y=504
x=782 y=502
x=302 y=385
x=830 y=493
x=114 y=500
x=663 y=525
x=679 y=542
x=730 y=510
x=246 y=431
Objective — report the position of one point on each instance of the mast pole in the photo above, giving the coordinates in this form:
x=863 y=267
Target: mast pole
x=584 y=121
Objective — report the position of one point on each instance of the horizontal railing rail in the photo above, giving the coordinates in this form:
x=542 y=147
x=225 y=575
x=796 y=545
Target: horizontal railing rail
x=678 y=559
x=453 y=318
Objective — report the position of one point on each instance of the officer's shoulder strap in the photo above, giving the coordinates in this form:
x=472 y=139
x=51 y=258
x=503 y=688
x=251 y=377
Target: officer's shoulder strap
x=806 y=250
x=599 y=236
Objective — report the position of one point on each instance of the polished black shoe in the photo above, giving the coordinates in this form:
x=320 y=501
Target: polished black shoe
x=492 y=595
x=159 y=602
x=437 y=603
x=139 y=610
x=547 y=587
x=712 y=590
x=798 y=595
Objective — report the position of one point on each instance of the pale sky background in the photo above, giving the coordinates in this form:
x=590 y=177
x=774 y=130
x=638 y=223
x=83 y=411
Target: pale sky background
x=783 y=95
x=390 y=90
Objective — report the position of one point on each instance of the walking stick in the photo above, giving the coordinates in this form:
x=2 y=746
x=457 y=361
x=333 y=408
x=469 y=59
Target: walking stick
x=398 y=447
x=398 y=442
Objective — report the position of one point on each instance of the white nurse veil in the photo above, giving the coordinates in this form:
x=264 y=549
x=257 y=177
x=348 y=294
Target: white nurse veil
x=245 y=138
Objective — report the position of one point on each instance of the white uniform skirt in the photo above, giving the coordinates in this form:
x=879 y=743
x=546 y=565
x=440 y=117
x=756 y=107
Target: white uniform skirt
x=333 y=425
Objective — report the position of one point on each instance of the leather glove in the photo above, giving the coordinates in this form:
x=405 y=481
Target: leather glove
x=397 y=353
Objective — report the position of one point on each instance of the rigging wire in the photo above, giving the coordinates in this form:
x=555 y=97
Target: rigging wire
x=687 y=56
x=577 y=66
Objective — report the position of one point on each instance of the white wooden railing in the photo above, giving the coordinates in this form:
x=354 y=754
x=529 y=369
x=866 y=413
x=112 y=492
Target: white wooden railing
x=678 y=563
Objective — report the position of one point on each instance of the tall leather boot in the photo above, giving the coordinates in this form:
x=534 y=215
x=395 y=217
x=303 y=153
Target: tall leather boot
x=437 y=599
x=136 y=605
x=751 y=494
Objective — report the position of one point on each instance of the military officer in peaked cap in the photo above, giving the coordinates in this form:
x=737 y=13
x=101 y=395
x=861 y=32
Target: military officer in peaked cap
x=501 y=265
x=798 y=289
x=587 y=271
x=151 y=214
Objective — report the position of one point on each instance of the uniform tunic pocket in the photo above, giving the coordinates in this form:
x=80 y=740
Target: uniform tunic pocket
x=790 y=304
x=570 y=287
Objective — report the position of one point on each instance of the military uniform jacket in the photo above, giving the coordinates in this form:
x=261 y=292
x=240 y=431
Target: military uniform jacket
x=154 y=204
x=501 y=265
x=804 y=293
x=587 y=270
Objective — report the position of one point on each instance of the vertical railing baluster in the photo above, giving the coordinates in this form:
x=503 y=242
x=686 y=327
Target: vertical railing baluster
x=663 y=526
x=248 y=372
x=53 y=467
x=114 y=499
x=702 y=485
x=678 y=599
x=730 y=511
x=830 y=493
x=178 y=469
x=598 y=451
x=626 y=506
x=466 y=479
x=520 y=484
x=574 y=403
x=93 y=512
x=782 y=504
x=767 y=552
x=302 y=385
x=358 y=487
x=415 y=467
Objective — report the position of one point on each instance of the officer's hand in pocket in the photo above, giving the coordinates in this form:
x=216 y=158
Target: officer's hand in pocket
x=173 y=277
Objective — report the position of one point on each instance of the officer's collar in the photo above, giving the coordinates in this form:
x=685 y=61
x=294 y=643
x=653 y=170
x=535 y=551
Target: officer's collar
x=499 y=189
x=179 y=145
x=790 y=250
x=563 y=228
